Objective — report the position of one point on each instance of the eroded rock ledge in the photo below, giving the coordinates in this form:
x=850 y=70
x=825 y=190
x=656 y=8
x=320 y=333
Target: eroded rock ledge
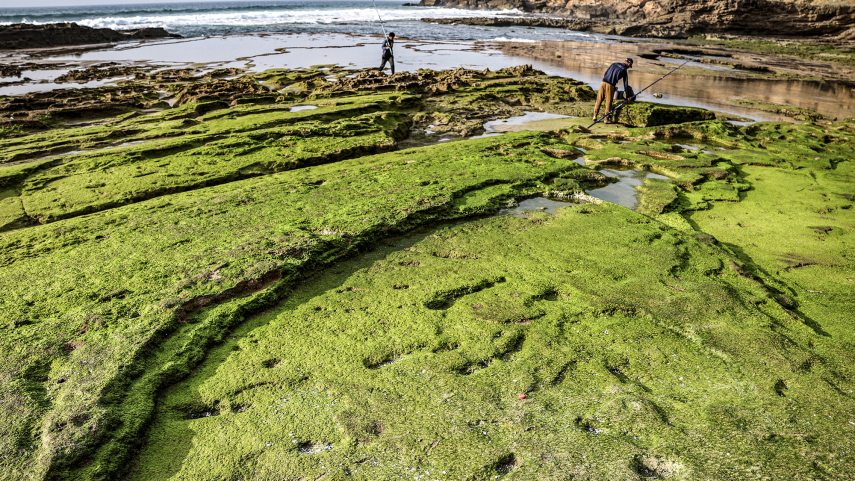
x=677 y=18
x=23 y=35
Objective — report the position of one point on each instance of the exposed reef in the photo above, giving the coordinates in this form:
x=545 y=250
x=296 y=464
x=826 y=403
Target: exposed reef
x=28 y=36
x=315 y=272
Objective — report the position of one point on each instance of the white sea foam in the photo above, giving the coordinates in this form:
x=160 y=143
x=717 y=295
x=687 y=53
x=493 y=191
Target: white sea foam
x=514 y=39
x=279 y=17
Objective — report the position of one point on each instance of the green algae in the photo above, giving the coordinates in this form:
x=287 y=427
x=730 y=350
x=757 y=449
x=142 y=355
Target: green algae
x=841 y=53
x=797 y=113
x=408 y=362
x=809 y=229
x=101 y=312
x=776 y=195
x=656 y=196
x=642 y=114
x=228 y=150
x=206 y=142
x=136 y=269
x=348 y=434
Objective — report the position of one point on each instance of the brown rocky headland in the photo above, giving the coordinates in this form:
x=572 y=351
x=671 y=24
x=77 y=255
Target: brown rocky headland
x=676 y=18
x=25 y=36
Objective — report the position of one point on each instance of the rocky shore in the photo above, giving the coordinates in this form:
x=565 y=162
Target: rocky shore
x=674 y=18
x=203 y=274
x=212 y=272
x=26 y=36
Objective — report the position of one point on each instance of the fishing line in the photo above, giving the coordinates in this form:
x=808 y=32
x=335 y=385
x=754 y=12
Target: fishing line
x=678 y=67
x=382 y=27
x=626 y=101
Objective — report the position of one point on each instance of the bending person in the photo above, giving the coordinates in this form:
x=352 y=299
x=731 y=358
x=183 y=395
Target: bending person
x=388 y=53
x=616 y=72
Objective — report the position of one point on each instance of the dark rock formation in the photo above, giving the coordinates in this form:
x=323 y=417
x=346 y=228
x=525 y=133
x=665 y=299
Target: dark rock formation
x=100 y=72
x=681 y=18
x=548 y=22
x=10 y=71
x=24 y=36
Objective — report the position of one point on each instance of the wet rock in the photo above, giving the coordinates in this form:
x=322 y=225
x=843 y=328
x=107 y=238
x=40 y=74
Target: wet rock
x=100 y=72
x=639 y=114
x=225 y=90
x=674 y=18
x=10 y=71
x=423 y=80
x=33 y=108
x=25 y=36
x=23 y=124
x=577 y=24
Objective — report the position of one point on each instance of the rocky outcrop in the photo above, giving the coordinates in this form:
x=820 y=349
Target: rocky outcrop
x=681 y=18
x=24 y=36
x=547 y=22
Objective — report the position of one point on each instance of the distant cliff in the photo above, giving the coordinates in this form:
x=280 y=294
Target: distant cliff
x=24 y=35
x=681 y=18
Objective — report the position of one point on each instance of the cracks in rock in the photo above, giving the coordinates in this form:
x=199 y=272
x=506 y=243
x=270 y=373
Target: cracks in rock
x=777 y=290
x=263 y=292
x=746 y=267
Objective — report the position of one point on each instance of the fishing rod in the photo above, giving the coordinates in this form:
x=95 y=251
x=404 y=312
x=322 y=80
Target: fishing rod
x=627 y=100
x=379 y=18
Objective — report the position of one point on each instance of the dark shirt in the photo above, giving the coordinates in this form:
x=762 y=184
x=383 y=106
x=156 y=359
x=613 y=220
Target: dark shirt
x=616 y=73
x=387 y=47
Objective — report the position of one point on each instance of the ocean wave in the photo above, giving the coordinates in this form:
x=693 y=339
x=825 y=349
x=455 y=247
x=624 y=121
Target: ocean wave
x=249 y=17
x=513 y=39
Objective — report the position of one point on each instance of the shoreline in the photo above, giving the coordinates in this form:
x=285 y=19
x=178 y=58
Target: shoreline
x=676 y=19
x=695 y=85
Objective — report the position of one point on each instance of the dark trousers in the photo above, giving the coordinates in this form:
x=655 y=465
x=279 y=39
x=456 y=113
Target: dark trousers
x=388 y=57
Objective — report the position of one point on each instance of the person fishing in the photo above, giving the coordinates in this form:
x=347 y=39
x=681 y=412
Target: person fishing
x=388 y=54
x=615 y=73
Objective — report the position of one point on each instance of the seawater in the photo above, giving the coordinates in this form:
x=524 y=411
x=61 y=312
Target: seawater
x=291 y=33
x=195 y=19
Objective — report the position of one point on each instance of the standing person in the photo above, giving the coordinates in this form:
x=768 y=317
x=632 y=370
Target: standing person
x=616 y=72
x=388 y=54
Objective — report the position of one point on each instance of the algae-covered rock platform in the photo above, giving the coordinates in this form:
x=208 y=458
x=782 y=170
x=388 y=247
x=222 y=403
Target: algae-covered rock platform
x=316 y=274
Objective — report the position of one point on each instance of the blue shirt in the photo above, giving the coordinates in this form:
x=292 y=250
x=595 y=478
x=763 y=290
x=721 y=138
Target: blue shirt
x=616 y=73
x=387 y=46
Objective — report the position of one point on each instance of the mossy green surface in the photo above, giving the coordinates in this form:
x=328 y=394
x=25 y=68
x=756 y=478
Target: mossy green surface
x=656 y=196
x=409 y=362
x=111 y=284
x=188 y=310
x=777 y=196
x=643 y=114
x=797 y=113
x=796 y=221
x=830 y=51
x=66 y=172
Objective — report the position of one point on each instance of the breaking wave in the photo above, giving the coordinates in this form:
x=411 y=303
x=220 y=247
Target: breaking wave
x=176 y=16
x=215 y=18
x=514 y=39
